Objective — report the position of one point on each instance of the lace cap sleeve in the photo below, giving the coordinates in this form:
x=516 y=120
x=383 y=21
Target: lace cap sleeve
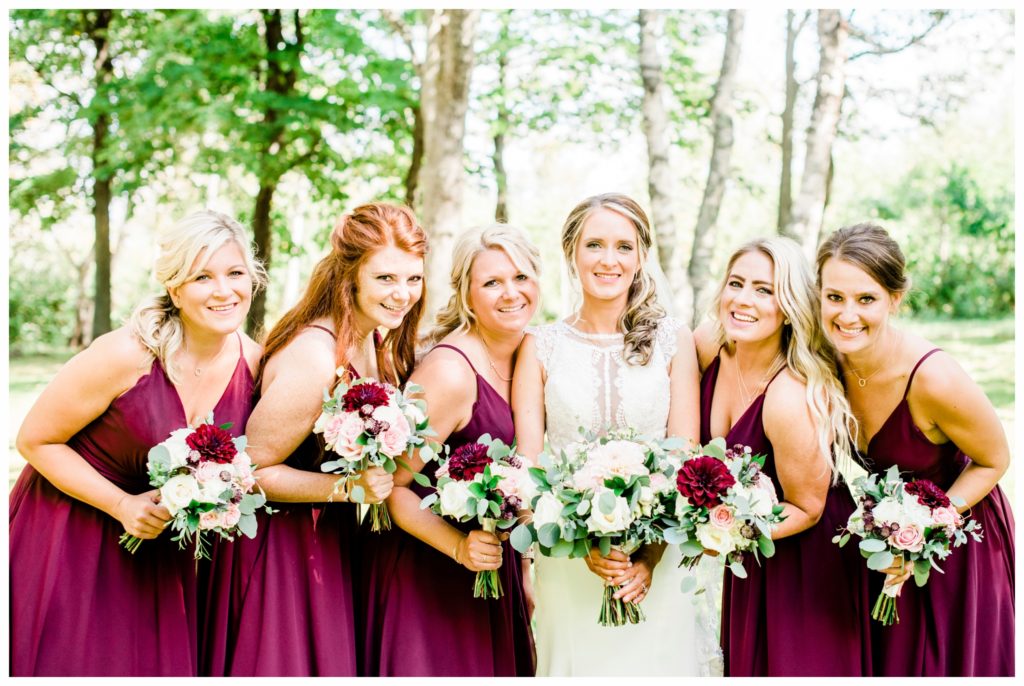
x=545 y=338
x=667 y=335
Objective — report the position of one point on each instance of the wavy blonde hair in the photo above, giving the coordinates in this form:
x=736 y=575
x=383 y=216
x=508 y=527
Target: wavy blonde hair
x=639 y=320
x=185 y=250
x=808 y=352
x=457 y=315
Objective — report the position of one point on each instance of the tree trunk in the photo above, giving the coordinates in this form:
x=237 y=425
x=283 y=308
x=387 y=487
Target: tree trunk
x=412 y=177
x=443 y=99
x=101 y=190
x=718 y=169
x=261 y=234
x=786 y=177
x=659 y=174
x=809 y=208
x=500 y=127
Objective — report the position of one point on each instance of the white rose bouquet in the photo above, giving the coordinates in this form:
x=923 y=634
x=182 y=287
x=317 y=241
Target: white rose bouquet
x=914 y=521
x=726 y=504
x=371 y=424
x=602 y=492
x=205 y=478
x=487 y=482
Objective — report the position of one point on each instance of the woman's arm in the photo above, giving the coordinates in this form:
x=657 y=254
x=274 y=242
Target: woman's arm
x=291 y=399
x=528 y=401
x=684 y=389
x=83 y=390
x=957 y=409
x=446 y=380
x=799 y=464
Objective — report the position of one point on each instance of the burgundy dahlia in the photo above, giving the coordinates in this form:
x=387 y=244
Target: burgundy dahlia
x=212 y=443
x=704 y=480
x=467 y=461
x=928 y=494
x=365 y=398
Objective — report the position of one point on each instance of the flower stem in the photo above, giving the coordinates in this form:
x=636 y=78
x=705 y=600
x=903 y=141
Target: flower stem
x=131 y=543
x=380 y=520
x=487 y=585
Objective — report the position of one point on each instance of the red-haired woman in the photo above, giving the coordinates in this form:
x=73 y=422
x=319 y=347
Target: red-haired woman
x=281 y=604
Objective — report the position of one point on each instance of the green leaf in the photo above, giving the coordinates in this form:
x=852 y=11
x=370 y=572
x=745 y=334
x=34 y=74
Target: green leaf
x=675 y=536
x=561 y=549
x=766 y=545
x=428 y=500
x=390 y=466
x=691 y=548
x=240 y=443
x=604 y=544
x=922 y=570
x=421 y=479
x=357 y=495
x=606 y=502
x=521 y=538
x=737 y=570
x=247 y=525
x=580 y=548
x=880 y=560
x=582 y=508
x=160 y=455
x=549 y=534
x=477 y=490
x=873 y=545
x=716 y=448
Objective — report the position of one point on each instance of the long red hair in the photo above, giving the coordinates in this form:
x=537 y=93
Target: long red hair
x=331 y=292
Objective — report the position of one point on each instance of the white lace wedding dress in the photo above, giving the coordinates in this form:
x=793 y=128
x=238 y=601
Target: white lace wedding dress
x=588 y=384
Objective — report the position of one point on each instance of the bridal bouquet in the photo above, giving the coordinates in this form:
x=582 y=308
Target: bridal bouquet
x=726 y=504
x=914 y=521
x=603 y=492
x=371 y=424
x=204 y=476
x=484 y=482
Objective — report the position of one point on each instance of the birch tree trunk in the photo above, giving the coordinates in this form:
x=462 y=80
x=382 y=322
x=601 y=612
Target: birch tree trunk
x=659 y=174
x=722 y=108
x=101 y=189
x=805 y=221
x=786 y=177
x=444 y=97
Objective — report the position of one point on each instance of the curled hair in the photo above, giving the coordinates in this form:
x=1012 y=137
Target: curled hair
x=185 y=250
x=457 y=315
x=639 y=320
x=871 y=248
x=331 y=292
x=808 y=352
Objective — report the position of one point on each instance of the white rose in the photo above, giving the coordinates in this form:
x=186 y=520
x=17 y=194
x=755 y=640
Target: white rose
x=616 y=520
x=760 y=502
x=548 y=511
x=178 y=448
x=415 y=415
x=713 y=538
x=453 y=496
x=178 y=492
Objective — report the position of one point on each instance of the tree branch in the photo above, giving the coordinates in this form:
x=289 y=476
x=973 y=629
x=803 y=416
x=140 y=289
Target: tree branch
x=879 y=48
x=405 y=33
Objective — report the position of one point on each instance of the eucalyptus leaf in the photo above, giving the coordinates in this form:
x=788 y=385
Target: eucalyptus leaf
x=357 y=494
x=922 y=570
x=675 y=536
x=880 y=560
x=606 y=502
x=521 y=538
x=421 y=479
x=873 y=545
x=766 y=545
x=737 y=570
x=549 y=534
x=691 y=548
x=604 y=544
x=562 y=549
x=247 y=525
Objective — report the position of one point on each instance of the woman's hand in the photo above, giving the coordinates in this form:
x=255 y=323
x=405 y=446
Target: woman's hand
x=142 y=515
x=900 y=571
x=609 y=567
x=635 y=581
x=479 y=551
x=376 y=484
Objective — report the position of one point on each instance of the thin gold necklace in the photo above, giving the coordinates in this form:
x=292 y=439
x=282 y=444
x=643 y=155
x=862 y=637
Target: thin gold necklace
x=197 y=370
x=747 y=397
x=487 y=352
x=862 y=381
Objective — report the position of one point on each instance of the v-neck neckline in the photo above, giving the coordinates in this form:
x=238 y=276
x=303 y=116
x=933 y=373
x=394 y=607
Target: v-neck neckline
x=743 y=415
x=223 y=393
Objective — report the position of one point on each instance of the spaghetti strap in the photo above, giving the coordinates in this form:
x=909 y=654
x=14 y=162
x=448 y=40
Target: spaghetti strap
x=914 y=370
x=780 y=370
x=464 y=356
x=324 y=329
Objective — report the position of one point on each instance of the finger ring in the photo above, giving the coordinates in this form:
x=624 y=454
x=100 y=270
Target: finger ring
x=643 y=587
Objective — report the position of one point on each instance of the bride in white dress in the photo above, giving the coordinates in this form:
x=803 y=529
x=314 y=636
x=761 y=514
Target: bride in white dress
x=618 y=361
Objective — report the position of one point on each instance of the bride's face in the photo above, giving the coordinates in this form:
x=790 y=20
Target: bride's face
x=607 y=255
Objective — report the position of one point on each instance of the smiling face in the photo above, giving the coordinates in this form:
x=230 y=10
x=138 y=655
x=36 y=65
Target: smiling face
x=390 y=282
x=217 y=298
x=607 y=255
x=748 y=309
x=855 y=308
x=502 y=298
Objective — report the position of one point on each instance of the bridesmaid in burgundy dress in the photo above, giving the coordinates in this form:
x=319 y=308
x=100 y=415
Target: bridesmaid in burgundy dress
x=81 y=605
x=918 y=409
x=767 y=384
x=281 y=604
x=415 y=586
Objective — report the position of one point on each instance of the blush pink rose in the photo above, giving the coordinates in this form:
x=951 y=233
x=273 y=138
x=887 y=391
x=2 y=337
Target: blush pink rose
x=909 y=538
x=721 y=517
x=210 y=520
x=395 y=439
x=764 y=482
x=342 y=434
x=947 y=517
x=212 y=471
x=231 y=516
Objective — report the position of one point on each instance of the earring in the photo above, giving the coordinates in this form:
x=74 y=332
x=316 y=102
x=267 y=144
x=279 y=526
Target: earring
x=785 y=322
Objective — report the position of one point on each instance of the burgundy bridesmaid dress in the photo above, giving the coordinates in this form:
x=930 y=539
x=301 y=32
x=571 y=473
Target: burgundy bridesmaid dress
x=81 y=605
x=961 y=622
x=280 y=604
x=805 y=610
x=416 y=608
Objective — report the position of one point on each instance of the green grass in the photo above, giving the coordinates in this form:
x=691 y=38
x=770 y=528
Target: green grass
x=983 y=347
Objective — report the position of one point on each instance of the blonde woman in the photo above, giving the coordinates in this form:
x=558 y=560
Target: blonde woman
x=421 y=618
x=80 y=604
x=767 y=384
x=616 y=362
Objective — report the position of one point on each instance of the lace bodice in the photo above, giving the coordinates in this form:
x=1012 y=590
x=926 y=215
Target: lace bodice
x=590 y=385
